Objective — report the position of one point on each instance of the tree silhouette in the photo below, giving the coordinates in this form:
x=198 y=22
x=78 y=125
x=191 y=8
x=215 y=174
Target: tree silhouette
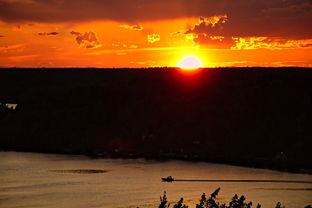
x=180 y=204
x=163 y=201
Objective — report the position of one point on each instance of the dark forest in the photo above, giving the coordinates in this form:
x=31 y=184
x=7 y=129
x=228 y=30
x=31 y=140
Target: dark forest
x=259 y=117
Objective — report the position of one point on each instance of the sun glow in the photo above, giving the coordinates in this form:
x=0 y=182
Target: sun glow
x=190 y=63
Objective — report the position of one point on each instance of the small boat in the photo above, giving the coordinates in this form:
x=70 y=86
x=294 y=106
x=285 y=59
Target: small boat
x=168 y=179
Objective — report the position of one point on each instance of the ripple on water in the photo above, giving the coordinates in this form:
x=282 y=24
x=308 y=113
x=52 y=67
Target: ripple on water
x=81 y=171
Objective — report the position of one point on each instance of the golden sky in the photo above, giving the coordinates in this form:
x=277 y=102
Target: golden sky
x=149 y=33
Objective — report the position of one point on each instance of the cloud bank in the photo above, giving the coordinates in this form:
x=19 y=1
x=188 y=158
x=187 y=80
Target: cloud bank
x=212 y=32
x=289 y=18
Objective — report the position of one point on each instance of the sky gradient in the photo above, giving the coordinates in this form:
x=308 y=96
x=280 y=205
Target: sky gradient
x=149 y=33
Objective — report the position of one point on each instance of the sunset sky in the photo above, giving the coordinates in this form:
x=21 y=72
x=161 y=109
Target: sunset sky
x=152 y=33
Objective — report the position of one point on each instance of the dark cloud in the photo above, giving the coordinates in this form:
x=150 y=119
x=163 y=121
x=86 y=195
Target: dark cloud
x=212 y=32
x=87 y=40
x=276 y=18
x=2 y=36
x=210 y=25
x=85 y=10
x=216 y=42
x=246 y=17
x=209 y=32
x=48 y=33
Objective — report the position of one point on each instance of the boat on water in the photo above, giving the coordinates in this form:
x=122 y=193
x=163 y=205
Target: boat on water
x=168 y=179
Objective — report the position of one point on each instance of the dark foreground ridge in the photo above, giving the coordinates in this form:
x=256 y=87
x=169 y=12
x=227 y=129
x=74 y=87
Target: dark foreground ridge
x=259 y=117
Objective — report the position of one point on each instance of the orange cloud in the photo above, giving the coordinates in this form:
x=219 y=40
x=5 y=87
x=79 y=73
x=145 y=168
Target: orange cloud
x=132 y=27
x=23 y=57
x=247 y=43
x=12 y=48
x=123 y=45
x=219 y=38
x=87 y=40
x=214 y=20
x=133 y=46
x=152 y=38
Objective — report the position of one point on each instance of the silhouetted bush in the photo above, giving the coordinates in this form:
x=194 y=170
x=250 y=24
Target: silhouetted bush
x=236 y=202
x=180 y=204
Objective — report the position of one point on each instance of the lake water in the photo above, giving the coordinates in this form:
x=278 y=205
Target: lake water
x=46 y=180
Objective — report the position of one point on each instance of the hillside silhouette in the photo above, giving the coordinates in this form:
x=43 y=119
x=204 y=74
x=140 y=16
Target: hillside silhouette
x=247 y=116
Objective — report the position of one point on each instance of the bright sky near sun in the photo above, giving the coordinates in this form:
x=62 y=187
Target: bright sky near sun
x=149 y=33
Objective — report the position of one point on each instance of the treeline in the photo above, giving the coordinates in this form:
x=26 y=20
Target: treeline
x=254 y=116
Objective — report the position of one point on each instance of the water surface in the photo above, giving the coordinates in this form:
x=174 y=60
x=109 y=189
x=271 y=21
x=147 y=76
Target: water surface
x=46 y=180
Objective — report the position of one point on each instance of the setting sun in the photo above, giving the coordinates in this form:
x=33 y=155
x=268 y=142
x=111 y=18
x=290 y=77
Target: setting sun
x=193 y=89
x=190 y=62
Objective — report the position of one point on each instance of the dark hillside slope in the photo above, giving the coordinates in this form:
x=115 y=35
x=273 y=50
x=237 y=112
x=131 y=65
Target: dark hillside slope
x=244 y=116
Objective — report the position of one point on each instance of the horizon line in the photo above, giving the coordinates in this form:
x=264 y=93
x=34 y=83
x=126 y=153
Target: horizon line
x=163 y=67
